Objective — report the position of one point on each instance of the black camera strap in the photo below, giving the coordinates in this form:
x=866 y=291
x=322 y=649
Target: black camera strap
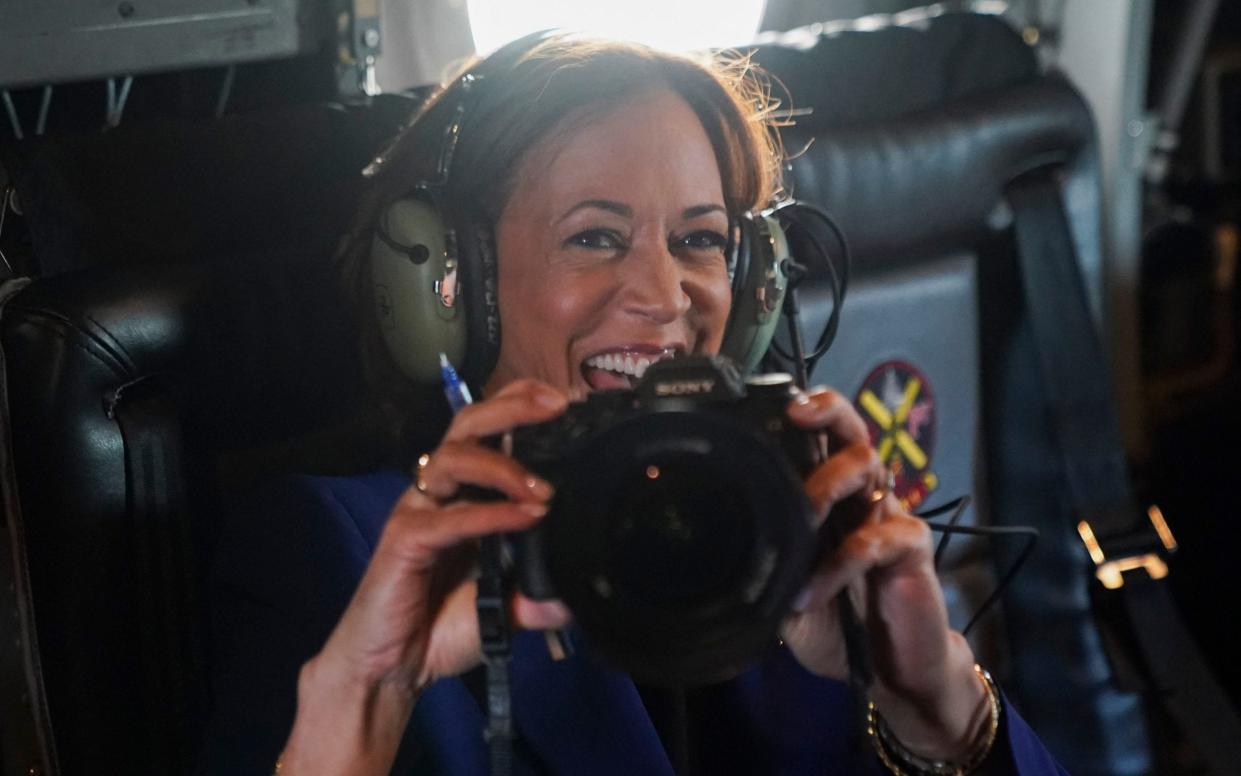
x=493 y=626
x=1127 y=548
x=857 y=643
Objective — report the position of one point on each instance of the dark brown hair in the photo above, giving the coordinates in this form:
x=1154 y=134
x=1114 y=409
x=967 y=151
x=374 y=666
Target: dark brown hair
x=561 y=82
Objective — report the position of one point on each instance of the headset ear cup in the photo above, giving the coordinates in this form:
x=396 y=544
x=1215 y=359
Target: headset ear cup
x=760 y=280
x=415 y=288
x=433 y=274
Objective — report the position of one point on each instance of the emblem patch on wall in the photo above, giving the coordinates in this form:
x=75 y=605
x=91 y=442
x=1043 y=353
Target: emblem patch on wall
x=898 y=405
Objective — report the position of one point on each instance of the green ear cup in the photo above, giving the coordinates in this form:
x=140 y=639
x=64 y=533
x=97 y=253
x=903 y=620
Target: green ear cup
x=416 y=289
x=756 y=304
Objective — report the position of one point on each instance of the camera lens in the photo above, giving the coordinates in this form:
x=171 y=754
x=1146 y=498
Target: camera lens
x=675 y=533
x=678 y=540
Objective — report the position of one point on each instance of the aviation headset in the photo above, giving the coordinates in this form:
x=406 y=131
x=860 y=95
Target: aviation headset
x=433 y=268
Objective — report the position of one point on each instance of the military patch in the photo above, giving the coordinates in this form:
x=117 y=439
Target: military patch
x=898 y=405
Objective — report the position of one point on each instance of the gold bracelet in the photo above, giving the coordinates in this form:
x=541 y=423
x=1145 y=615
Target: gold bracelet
x=902 y=762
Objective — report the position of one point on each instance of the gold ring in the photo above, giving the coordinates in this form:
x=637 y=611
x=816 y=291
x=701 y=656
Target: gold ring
x=420 y=481
x=887 y=486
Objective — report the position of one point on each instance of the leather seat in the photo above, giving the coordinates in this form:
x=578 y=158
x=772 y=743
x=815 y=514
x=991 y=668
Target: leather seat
x=184 y=340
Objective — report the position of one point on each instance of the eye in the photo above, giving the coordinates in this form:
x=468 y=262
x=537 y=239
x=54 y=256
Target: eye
x=596 y=239
x=704 y=239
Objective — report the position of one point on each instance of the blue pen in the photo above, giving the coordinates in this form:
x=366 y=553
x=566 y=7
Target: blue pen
x=457 y=392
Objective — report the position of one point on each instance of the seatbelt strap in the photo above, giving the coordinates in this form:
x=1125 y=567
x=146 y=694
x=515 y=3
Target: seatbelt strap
x=26 y=741
x=1079 y=405
x=1071 y=360
x=163 y=569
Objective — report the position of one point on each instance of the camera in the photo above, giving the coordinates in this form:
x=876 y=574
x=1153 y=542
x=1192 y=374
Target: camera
x=680 y=531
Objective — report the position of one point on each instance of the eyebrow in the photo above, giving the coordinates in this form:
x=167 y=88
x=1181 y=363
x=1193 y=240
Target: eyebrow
x=624 y=210
x=702 y=210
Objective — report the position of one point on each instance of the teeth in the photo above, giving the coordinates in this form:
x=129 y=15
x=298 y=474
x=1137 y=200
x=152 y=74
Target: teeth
x=623 y=364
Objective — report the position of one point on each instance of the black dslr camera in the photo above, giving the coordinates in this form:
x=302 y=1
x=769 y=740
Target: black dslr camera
x=680 y=531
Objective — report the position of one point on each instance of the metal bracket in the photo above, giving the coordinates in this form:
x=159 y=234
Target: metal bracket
x=358 y=45
x=1111 y=573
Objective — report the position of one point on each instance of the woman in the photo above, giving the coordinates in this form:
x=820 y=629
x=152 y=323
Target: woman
x=608 y=173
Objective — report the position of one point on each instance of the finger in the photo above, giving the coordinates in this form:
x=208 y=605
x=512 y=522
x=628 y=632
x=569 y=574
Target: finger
x=816 y=639
x=849 y=471
x=886 y=544
x=519 y=403
x=539 y=615
x=823 y=408
x=463 y=463
x=423 y=533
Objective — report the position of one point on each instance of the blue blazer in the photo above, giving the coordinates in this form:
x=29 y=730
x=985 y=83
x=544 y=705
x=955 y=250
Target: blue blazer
x=288 y=561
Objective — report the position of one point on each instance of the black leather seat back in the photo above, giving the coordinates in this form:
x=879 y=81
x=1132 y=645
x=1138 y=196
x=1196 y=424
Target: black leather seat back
x=141 y=389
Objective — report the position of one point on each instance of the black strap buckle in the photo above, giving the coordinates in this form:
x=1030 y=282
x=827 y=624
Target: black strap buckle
x=493 y=625
x=492 y=604
x=1139 y=551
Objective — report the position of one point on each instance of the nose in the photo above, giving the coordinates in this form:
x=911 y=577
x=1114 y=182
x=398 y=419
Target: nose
x=656 y=286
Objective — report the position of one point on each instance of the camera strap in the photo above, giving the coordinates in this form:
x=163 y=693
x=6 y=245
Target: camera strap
x=1127 y=548
x=493 y=626
x=857 y=644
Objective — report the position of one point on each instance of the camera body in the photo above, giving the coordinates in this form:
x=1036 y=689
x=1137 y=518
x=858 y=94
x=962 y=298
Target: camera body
x=680 y=531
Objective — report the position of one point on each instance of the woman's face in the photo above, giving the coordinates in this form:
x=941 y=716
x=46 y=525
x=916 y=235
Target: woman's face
x=611 y=249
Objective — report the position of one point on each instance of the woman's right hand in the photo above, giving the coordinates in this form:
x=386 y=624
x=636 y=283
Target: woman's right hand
x=412 y=618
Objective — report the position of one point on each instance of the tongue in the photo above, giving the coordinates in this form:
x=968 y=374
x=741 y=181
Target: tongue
x=603 y=379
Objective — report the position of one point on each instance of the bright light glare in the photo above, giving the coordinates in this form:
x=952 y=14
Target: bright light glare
x=679 y=25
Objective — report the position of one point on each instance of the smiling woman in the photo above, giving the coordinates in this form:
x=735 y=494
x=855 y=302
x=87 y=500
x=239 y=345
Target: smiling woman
x=603 y=182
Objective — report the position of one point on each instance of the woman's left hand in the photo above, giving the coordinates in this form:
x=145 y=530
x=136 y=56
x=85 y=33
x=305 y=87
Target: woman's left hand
x=925 y=684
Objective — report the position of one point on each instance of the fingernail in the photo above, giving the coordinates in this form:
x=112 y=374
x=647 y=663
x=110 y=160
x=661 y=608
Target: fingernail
x=540 y=488
x=802 y=601
x=803 y=407
x=533 y=508
x=549 y=399
x=802 y=400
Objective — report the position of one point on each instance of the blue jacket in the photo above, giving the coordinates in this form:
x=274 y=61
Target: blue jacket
x=287 y=564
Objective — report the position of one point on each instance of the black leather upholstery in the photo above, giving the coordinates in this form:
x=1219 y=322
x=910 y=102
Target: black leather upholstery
x=199 y=254
x=254 y=348
x=851 y=77
x=935 y=178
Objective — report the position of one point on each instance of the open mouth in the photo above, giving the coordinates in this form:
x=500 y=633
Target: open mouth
x=621 y=368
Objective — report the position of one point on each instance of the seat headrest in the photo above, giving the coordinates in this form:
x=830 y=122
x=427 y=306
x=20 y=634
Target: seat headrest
x=257 y=349
x=912 y=149
x=935 y=179
x=882 y=67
